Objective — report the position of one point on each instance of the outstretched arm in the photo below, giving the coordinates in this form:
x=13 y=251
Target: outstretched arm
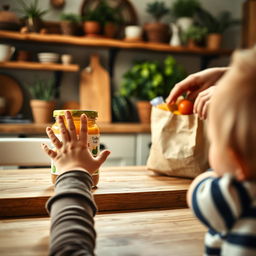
x=72 y=207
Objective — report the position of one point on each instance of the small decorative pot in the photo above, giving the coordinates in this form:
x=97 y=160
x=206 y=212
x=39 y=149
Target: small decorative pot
x=214 y=41
x=133 y=33
x=91 y=28
x=144 y=111
x=42 y=110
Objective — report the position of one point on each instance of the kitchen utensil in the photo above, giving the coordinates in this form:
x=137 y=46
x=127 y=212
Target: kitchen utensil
x=6 y=51
x=12 y=92
x=95 y=89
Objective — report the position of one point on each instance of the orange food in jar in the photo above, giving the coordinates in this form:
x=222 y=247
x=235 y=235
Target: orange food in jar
x=93 y=136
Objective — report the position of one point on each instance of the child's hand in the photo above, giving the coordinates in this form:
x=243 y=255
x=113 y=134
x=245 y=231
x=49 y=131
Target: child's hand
x=72 y=153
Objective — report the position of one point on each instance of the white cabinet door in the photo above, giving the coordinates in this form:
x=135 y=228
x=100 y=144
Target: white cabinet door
x=143 y=143
x=122 y=147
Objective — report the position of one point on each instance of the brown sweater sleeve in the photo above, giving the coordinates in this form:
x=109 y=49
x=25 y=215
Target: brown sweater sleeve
x=72 y=210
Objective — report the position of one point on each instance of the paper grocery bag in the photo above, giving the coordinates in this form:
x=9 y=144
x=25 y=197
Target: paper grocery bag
x=179 y=145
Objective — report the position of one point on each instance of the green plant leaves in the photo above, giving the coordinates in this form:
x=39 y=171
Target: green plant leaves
x=43 y=89
x=146 y=80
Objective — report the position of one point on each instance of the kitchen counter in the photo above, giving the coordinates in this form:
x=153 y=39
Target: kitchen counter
x=105 y=128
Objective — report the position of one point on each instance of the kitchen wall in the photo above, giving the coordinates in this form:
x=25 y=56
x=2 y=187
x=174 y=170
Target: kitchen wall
x=70 y=81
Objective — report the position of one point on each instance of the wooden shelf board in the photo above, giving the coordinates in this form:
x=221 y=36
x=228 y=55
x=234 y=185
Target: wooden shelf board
x=105 y=128
x=39 y=66
x=106 y=42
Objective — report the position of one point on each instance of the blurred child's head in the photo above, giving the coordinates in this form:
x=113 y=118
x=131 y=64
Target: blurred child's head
x=232 y=119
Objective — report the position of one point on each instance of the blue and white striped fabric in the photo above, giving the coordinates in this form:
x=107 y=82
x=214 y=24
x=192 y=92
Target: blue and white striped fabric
x=228 y=208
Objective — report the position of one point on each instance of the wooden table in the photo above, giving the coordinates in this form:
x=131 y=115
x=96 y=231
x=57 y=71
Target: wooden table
x=23 y=192
x=163 y=232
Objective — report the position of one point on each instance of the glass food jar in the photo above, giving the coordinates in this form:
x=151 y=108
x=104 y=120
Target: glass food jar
x=93 y=136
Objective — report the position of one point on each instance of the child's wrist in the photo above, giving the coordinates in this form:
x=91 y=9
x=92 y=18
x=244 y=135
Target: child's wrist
x=78 y=168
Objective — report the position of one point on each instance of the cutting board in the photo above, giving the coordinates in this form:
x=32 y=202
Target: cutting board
x=95 y=91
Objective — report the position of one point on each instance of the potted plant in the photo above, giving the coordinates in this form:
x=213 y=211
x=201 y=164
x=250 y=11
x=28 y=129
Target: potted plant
x=32 y=15
x=69 y=23
x=146 y=80
x=216 y=26
x=195 y=36
x=42 y=102
x=183 y=11
x=92 y=23
x=157 y=31
x=110 y=18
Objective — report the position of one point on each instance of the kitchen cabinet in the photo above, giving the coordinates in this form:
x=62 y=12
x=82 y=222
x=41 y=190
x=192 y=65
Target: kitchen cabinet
x=129 y=143
x=126 y=149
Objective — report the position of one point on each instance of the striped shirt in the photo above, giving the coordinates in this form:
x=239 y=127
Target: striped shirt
x=228 y=208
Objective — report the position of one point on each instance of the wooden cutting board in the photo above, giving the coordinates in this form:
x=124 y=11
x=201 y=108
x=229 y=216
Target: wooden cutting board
x=95 y=91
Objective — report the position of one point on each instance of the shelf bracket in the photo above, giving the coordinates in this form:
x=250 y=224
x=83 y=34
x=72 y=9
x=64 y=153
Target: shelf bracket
x=205 y=60
x=112 y=59
x=57 y=79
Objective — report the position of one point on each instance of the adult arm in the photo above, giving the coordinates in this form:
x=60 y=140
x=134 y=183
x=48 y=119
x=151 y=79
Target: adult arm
x=195 y=86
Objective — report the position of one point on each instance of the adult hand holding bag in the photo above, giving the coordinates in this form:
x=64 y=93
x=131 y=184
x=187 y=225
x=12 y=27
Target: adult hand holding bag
x=179 y=145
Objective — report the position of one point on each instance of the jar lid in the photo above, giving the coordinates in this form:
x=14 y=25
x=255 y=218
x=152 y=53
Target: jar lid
x=76 y=113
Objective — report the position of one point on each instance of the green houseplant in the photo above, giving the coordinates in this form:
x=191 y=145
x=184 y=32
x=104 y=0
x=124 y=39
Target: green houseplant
x=69 y=23
x=157 y=31
x=92 y=23
x=183 y=11
x=195 y=35
x=216 y=25
x=110 y=18
x=32 y=15
x=146 y=80
x=42 y=102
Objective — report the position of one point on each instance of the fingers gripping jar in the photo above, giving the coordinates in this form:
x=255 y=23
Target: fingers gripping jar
x=93 y=136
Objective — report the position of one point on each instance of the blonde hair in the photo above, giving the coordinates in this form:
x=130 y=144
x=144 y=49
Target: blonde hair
x=235 y=108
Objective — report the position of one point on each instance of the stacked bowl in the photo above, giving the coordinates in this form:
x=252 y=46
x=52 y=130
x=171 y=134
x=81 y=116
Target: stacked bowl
x=48 y=57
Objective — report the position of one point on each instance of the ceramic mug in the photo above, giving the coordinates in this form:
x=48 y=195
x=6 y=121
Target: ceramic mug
x=66 y=59
x=133 y=32
x=6 y=52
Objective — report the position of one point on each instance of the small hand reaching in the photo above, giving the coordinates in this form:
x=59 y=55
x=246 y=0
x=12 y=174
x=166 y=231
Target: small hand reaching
x=72 y=153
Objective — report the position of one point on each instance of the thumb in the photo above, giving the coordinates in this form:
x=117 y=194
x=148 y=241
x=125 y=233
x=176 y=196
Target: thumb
x=103 y=156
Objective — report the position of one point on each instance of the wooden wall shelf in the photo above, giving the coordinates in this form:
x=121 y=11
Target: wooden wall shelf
x=39 y=66
x=106 y=42
x=105 y=128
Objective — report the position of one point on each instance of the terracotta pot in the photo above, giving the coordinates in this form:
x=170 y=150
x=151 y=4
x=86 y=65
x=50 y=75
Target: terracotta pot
x=68 y=28
x=34 y=24
x=144 y=111
x=8 y=20
x=157 y=32
x=91 y=28
x=42 y=110
x=23 y=55
x=214 y=41
x=110 y=30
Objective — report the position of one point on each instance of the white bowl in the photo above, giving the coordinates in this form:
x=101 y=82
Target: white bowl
x=48 y=57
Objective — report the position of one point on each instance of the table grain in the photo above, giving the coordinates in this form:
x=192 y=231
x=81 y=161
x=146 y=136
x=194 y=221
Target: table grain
x=24 y=192
x=145 y=233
